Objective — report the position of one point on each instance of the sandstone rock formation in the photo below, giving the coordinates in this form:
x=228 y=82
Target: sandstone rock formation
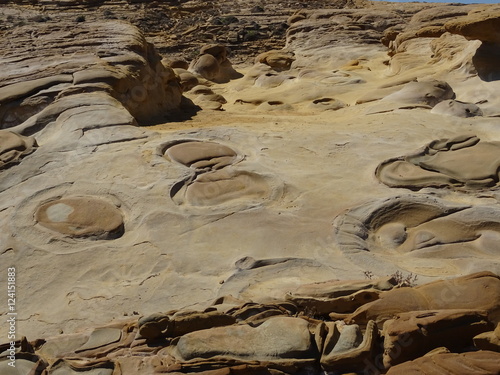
x=116 y=60
x=460 y=162
x=457 y=108
x=268 y=338
x=213 y=64
x=13 y=147
x=483 y=361
x=453 y=294
x=250 y=218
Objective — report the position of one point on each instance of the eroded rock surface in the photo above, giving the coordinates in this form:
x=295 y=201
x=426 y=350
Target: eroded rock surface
x=81 y=217
x=235 y=337
x=150 y=225
x=462 y=162
x=13 y=147
x=485 y=362
x=111 y=57
x=408 y=231
x=215 y=180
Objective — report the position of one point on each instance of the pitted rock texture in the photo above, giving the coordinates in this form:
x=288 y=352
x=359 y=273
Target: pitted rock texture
x=215 y=179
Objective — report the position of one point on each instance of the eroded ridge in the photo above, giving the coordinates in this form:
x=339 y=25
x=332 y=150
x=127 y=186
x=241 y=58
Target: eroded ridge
x=463 y=162
x=13 y=147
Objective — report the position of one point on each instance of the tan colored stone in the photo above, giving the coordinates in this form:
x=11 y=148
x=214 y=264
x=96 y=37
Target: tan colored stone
x=13 y=147
x=278 y=60
x=489 y=340
x=277 y=339
x=85 y=217
x=201 y=155
x=459 y=293
x=347 y=348
x=483 y=362
x=462 y=161
x=411 y=335
x=482 y=25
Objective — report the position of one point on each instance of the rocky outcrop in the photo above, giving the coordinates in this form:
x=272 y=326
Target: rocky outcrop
x=459 y=293
x=413 y=334
x=213 y=64
x=481 y=25
x=236 y=205
x=111 y=58
x=13 y=147
x=280 y=338
x=278 y=60
x=485 y=362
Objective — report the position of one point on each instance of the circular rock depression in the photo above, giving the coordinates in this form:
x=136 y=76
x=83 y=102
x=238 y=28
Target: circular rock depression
x=201 y=155
x=81 y=217
x=419 y=232
x=215 y=180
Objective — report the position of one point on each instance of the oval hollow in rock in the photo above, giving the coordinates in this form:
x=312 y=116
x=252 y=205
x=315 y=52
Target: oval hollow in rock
x=201 y=155
x=221 y=186
x=81 y=217
x=463 y=162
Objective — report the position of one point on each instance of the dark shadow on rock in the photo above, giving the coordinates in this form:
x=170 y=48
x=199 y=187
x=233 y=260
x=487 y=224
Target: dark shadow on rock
x=486 y=61
x=186 y=111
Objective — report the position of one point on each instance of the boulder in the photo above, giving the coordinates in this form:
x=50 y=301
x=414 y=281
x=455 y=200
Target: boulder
x=279 y=339
x=213 y=64
x=489 y=340
x=482 y=362
x=479 y=292
x=457 y=108
x=276 y=59
x=410 y=335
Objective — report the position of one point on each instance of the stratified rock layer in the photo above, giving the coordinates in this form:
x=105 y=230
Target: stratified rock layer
x=232 y=195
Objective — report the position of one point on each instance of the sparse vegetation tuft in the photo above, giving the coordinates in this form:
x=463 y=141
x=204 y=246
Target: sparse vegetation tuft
x=402 y=281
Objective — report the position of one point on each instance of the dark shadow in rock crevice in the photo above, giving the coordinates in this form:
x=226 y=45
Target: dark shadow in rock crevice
x=486 y=61
x=187 y=110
